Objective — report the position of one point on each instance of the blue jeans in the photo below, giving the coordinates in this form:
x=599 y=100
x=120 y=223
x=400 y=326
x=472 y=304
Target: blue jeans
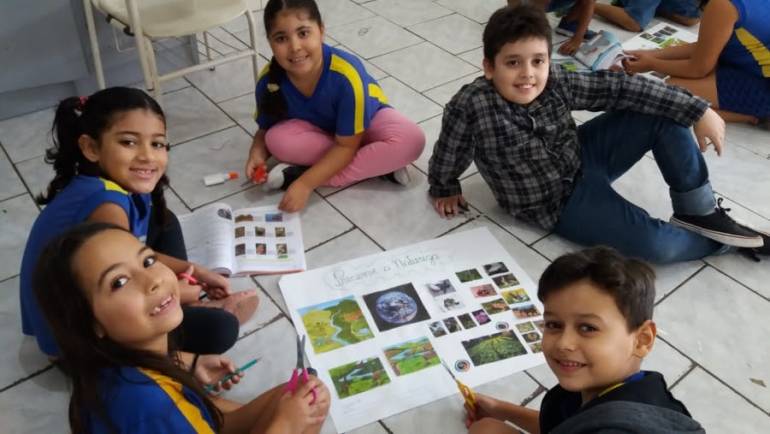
x=596 y=214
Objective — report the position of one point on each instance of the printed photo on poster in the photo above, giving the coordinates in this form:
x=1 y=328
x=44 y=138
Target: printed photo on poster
x=513 y=296
x=531 y=337
x=506 y=281
x=240 y=232
x=449 y=304
x=495 y=306
x=437 y=328
x=259 y=231
x=442 y=287
x=485 y=290
x=496 y=268
x=411 y=356
x=468 y=275
x=480 y=316
x=396 y=307
x=466 y=321
x=335 y=324
x=452 y=325
x=525 y=311
x=495 y=347
x=358 y=377
x=525 y=327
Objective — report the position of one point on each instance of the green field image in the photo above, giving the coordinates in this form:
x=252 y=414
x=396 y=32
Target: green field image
x=335 y=324
x=358 y=377
x=411 y=356
x=499 y=346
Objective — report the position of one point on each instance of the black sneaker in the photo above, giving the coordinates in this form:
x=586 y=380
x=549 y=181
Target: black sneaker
x=282 y=175
x=400 y=176
x=764 y=123
x=719 y=227
x=756 y=252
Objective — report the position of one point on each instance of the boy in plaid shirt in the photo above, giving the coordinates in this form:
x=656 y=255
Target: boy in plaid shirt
x=516 y=124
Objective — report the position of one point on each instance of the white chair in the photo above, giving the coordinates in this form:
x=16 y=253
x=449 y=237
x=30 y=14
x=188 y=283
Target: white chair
x=155 y=19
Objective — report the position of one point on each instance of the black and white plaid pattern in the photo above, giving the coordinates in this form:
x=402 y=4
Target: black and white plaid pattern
x=530 y=155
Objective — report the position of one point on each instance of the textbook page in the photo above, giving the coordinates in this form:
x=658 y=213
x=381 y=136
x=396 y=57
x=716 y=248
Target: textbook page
x=660 y=36
x=378 y=326
x=208 y=237
x=267 y=241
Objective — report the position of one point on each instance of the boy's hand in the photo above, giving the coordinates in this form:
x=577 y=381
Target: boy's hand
x=210 y=369
x=485 y=407
x=570 y=46
x=448 y=207
x=711 y=126
x=296 y=197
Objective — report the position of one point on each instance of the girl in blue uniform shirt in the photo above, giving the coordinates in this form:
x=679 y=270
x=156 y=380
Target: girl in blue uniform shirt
x=321 y=114
x=111 y=304
x=110 y=159
x=729 y=65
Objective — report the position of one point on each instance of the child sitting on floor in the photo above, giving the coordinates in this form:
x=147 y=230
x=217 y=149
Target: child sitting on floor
x=319 y=111
x=598 y=328
x=729 y=64
x=515 y=122
x=111 y=304
x=635 y=15
x=110 y=155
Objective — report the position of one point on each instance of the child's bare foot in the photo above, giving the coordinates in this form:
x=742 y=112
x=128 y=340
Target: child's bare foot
x=242 y=304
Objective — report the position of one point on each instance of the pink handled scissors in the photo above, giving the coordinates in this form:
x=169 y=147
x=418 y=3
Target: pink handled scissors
x=299 y=372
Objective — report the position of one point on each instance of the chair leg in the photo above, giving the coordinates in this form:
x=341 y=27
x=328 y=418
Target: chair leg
x=97 y=57
x=206 y=43
x=153 y=69
x=253 y=37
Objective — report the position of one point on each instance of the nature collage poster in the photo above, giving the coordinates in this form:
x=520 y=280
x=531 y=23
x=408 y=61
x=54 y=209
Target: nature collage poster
x=378 y=327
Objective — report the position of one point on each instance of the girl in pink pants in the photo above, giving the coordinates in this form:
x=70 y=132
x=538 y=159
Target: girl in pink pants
x=321 y=114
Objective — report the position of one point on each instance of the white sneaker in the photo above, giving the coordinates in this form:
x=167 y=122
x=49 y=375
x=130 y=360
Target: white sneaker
x=399 y=176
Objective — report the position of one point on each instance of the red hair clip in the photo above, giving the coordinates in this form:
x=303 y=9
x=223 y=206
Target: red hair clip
x=82 y=103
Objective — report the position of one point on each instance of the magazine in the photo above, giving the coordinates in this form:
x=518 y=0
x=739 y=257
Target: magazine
x=660 y=36
x=261 y=240
x=601 y=52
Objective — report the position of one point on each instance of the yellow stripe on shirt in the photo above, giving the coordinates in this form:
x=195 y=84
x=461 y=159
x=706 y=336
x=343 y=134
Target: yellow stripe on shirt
x=174 y=391
x=112 y=186
x=375 y=91
x=347 y=70
x=757 y=49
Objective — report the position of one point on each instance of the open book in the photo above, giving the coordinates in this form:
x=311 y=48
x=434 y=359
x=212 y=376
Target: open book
x=245 y=241
x=601 y=52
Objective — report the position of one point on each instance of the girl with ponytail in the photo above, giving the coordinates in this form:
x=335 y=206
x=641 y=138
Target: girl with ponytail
x=110 y=154
x=321 y=114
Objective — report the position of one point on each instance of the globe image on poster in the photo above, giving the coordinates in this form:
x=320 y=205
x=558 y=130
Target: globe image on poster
x=396 y=307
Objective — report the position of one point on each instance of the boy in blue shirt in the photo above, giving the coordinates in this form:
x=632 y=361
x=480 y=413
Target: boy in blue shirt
x=516 y=124
x=597 y=330
x=635 y=15
x=574 y=24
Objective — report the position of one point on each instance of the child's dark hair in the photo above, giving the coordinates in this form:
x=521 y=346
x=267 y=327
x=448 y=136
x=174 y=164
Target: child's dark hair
x=272 y=102
x=515 y=23
x=84 y=355
x=91 y=116
x=630 y=282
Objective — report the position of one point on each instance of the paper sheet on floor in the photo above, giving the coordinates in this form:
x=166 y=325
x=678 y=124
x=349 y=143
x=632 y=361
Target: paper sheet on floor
x=378 y=326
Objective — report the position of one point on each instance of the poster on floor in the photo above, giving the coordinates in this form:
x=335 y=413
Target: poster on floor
x=379 y=326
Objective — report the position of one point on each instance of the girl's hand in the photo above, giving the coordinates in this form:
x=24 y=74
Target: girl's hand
x=295 y=413
x=296 y=197
x=215 y=285
x=211 y=369
x=257 y=156
x=711 y=126
x=642 y=61
x=448 y=207
x=188 y=291
x=322 y=400
x=485 y=407
x=570 y=46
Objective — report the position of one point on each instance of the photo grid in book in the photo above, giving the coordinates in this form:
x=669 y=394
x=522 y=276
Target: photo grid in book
x=378 y=327
x=261 y=240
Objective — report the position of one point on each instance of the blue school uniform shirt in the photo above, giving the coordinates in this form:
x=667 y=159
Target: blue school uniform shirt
x=142 y=401
x=749 y=44
x=344 y=100
x=71 y=206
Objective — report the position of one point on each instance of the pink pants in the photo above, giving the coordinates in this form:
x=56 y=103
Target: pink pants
x=391 y=142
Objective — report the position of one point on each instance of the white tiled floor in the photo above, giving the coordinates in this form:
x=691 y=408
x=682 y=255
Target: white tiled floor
x=712 y=314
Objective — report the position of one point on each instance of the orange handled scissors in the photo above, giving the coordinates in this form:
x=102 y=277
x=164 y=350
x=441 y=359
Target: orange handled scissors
x=300 y=373
x=468 y=395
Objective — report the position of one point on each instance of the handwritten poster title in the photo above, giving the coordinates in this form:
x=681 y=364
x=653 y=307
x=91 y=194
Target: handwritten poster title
x=384 y=269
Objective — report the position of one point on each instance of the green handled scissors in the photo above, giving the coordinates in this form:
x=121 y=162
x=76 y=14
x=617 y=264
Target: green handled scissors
x=468 y=395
